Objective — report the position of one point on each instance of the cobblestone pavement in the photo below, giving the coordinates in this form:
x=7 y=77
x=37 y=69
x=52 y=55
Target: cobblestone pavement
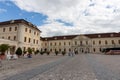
x=12 y=67
x=85 y=67
x=76 y=68
x=100 y=65
x=79 y=67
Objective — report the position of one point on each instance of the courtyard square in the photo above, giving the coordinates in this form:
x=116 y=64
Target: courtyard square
x=79 y=67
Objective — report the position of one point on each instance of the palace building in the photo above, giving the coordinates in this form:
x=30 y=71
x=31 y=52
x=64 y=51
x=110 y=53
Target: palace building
x=83 y=43
x=21 y=33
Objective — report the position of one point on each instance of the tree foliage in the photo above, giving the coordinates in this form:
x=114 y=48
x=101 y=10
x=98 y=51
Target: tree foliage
x=19 y=51
x=29 y=50
x=3 y=48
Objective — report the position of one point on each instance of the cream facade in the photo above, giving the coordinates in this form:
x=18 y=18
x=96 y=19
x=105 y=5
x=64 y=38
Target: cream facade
x=22 y=33
x=86 y=43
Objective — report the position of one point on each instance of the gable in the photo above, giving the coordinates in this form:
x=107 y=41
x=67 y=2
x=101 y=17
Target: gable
x=81 y=37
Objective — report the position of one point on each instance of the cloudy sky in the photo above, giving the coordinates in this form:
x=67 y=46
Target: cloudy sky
x=65 y=17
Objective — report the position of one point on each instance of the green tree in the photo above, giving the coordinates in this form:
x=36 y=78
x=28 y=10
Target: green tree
x=3 y=48
x=36 y=52
x=41 y=52
x=56 y=52
x=29 y=50
x=19 y=51
x=48 y=52
x=63 y=53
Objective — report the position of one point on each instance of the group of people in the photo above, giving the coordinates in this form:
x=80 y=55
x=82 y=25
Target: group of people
x=71 y=53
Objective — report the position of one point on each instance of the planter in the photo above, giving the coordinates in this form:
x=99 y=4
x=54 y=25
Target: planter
x=2 y=57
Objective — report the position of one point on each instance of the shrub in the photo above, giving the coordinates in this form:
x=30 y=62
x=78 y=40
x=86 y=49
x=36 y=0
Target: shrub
x=48 y=53
x=36 y=52
x=41 y=52
x=56 y=52
x=63 y=53
x=19 y=51
x=3 y=48
x=29 y=50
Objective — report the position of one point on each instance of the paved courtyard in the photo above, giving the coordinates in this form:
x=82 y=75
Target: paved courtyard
x=79 y=67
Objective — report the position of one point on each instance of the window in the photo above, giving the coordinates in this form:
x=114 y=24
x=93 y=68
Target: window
x=93 y=42
x=113 y=42
x=3 y=29
x=55 y=43
x=34 y=41
x=69 y=43
x=51 y=50
x=118 y=41
x=75 y=42
x=29 y=40
x=15 y=28
x=64 y=43
x=8 y=37
x=64 y=49
x=106 y=42
x=37 y=42
x=50 y=44
x=25 y=39
x=25 y=29
x=99 y=42
x=34 y=33
x=37 y=33
x=59 y=43
x=100 y=49
x=41 y=44
x=10 y=28
x=55 y=49
x=14 y=37
x=45 y=44
x=30 y=31
x=94 y=49
x=86 y=42
x=80 y=42
x=59 y=49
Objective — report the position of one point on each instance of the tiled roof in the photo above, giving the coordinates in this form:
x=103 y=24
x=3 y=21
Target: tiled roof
x=65 y=37
x=103 y=35
x=19 y=21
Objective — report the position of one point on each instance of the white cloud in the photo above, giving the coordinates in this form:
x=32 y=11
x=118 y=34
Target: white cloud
x=100 y=17
x=2 y=10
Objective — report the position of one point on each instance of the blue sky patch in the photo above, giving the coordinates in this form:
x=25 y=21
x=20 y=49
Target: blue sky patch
x=9 y=11
x=64 y=22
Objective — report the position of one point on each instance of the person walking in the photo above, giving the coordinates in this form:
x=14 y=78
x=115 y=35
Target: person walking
x=71 y=53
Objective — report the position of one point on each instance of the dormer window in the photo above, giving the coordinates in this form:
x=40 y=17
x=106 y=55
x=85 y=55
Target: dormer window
x=99 y=36
x=12 y=21
x=55 y=38
x=29 y=23
x=111 y=35
x=64 y=37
